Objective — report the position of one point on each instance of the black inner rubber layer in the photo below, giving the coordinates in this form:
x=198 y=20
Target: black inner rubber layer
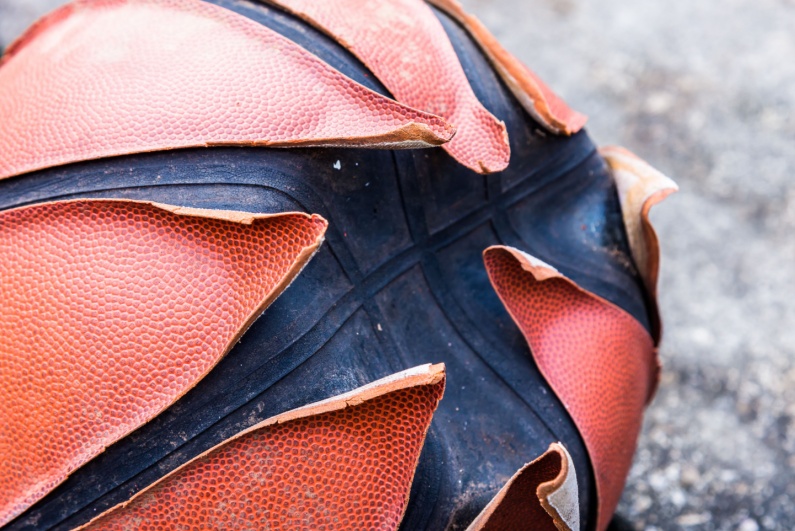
x=399 y=282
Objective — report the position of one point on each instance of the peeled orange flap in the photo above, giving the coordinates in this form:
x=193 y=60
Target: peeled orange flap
x=114 y=309
x=345 y=463
x=596 y=357
x=131 y=76
x=536 y=97
x=541 y=496
x=640 y=187
x=406 y=47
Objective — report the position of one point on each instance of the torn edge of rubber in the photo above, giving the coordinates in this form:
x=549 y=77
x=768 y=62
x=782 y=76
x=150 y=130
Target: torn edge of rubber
x=428 y=374
x=548 y=109
x=640 y=187
x=499 y=150
x=234 y=216
x=541 y=272
x=559 y=497
x=412 y=135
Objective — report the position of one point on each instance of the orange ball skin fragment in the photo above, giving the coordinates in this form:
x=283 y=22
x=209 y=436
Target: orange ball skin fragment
x=406 y=47
x=536 y=97
x=346 y=463
x=112 y=77
x=596 y=357
x=114 y=309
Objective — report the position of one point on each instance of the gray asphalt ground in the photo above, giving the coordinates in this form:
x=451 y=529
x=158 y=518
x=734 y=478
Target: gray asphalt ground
x=704 y=90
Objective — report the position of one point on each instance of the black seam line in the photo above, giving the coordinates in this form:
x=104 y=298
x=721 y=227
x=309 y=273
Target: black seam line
x=459 y=228
x=82 y=194
x=384 y=337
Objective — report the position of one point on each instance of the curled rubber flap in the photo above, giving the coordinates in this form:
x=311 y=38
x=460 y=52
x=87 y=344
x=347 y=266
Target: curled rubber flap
x=535 y=96
x=131 y=76
x=541 y=496
x=640 y=187
x=405 y=46
x=597 y=358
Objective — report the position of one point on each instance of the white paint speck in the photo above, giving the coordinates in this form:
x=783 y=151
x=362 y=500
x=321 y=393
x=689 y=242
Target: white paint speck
x=337 y=165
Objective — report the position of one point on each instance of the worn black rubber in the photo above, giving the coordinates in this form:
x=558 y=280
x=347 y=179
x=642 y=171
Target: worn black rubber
x=399 y=282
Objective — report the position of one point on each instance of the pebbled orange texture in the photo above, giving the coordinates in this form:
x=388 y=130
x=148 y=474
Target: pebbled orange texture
x=406 y=47
x=596 y=357
x=537 y=98
x=346 y=463
x=111 y=77
x=111 y=310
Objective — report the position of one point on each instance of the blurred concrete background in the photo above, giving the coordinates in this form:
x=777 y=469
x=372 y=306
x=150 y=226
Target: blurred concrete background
x=704 y=90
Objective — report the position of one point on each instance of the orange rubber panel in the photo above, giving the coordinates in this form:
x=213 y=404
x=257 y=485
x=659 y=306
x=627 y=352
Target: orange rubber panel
x=596 y=357
x=112 y=77
x=537 y=98
x=406 y=47
x=111 y=310
x=346 y=463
